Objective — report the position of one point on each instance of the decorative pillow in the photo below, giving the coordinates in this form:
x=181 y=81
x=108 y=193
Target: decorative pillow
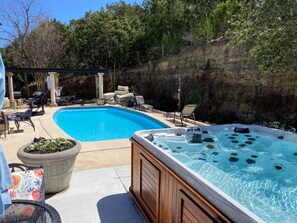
x=27 y=185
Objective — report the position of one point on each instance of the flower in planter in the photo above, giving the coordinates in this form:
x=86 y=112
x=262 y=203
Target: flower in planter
x=41 y=145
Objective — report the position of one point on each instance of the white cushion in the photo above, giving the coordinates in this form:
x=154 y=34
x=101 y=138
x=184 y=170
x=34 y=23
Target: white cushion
x=123 y=88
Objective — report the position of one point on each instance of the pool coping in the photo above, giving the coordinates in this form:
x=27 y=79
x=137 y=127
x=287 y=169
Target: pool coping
x=54 y=131
x=98 y=153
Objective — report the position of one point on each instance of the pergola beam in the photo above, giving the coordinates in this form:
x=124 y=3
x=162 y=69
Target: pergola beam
x=57 y=70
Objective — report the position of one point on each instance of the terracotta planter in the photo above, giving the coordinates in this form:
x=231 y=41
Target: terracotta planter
x=58 y=166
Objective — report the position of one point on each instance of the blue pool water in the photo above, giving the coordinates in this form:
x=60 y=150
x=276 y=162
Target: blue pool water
x=257 y=170
x=103 y=123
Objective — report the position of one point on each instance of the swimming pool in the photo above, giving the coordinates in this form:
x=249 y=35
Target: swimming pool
x=89 y=124
x=247 y=175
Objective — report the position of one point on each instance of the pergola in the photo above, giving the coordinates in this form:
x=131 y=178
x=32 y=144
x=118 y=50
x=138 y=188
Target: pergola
x=53 y=73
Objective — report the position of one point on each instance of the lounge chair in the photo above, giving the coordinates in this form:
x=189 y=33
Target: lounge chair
x=39 y=99
x=141 y=104
x=187 y=112
x=24 y=117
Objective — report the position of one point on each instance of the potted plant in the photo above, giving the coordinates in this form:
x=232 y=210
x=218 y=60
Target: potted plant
x=100 y=101
x=130 y=102
x=57 y=157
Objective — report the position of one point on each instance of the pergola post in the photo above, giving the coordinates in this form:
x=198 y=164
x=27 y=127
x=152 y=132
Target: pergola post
x=100 y=85
x=12 y=102
x=97 y=85
x=53 y=76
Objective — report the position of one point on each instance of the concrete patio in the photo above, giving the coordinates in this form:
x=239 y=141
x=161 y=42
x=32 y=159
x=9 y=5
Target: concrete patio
x=99 y=188
x=98 y=195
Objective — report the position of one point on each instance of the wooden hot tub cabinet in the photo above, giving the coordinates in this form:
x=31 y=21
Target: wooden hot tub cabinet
x=163 y=196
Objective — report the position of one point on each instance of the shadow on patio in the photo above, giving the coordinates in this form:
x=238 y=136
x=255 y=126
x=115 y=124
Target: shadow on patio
x=118 y=208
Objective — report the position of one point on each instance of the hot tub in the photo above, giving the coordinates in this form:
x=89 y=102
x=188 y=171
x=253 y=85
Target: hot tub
x=214 y=174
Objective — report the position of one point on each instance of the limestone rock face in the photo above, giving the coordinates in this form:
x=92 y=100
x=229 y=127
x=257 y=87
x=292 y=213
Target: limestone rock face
x=121 y=92
x=124 y=98
x=123 y=88
x=223 y=83
x=109 y=95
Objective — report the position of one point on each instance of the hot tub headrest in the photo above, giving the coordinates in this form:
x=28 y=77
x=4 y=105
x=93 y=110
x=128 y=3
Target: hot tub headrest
x=241 y=130
x=149 y=137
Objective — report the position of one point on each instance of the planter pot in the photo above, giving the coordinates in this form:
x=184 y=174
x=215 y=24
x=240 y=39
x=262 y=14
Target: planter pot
x=130 y=104
x=100 y=101
x=58 y=166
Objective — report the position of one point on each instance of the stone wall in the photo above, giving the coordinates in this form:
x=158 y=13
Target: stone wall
x=219 y=79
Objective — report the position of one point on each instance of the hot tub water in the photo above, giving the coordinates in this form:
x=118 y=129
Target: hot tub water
x=256 y=169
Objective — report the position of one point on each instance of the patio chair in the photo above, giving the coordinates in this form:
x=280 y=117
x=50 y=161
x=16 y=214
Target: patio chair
x=27 y=179
x=4 y=125
x=141 y=104
x=187 y=112
x=24 y=117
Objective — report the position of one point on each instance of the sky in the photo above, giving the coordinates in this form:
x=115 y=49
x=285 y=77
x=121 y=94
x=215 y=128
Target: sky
x=65 y=10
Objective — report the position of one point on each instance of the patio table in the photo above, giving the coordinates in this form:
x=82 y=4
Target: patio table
x=30 y=211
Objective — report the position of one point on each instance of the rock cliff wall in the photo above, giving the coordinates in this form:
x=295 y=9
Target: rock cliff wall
x=219 y=79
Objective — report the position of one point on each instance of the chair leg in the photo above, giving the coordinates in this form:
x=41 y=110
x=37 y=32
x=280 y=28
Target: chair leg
x=4 y=132
x=32 y=124
x=17 y=124
x=181 y=120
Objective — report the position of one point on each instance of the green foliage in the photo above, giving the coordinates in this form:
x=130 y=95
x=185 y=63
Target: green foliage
x=270 y=31
x=42 y=145
x=168 y=24
x=108 y=38
x=123 y=35
x=197 y=95
x=221 y=16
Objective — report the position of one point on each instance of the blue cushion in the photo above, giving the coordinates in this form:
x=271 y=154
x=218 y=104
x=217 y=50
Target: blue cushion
x=26 y=114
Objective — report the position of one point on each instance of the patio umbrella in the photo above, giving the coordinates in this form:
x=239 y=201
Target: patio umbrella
x=2 y=82
x=49 y=82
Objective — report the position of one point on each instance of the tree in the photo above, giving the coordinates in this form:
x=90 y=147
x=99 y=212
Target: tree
x=221 y=17
x=108 y=38
x=165 y=25
x=34 y=41
x=269 y=31
x=19 y=18
x=44 y=48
